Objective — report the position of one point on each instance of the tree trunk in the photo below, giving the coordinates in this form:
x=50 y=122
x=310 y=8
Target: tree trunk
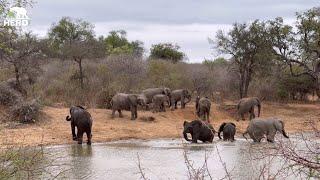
x=18 y=83
x=81 y=77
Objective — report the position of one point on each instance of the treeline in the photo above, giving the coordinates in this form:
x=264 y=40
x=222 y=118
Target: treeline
x=269 y=59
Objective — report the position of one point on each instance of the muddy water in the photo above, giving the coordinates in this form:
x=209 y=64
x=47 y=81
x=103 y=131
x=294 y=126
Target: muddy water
x=160 y=159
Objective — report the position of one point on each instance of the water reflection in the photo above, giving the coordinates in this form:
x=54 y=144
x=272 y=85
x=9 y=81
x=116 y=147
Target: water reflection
x=162 y=159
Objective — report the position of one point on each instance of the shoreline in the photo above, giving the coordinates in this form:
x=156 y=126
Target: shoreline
x=53 y=129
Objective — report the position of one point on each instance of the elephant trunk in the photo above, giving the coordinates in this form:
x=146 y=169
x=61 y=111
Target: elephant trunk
x=186 y=136
x=188 y=100
x=284 y=133
x=221 y=129
x=259 y=107
x=246 y=132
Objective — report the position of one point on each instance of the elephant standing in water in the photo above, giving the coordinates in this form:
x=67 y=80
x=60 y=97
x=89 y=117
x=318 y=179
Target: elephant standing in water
x=228 y=131
x=181 y=95
x=258 y=128
x=149 y=93
x=203 y=106
x=199 y=130
x=80 y=119
x=247 y=105
x=128 y=102
x=159 y=101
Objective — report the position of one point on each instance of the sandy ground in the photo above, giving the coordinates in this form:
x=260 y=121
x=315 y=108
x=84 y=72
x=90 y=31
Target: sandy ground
x=54 y=129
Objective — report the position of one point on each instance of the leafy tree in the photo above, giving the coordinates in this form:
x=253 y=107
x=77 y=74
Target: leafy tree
x=249 y=48
x=166 y=51
x=300 y=47
x=117 y=43
x=73 y=39
x=19 y=50
x=211 y=64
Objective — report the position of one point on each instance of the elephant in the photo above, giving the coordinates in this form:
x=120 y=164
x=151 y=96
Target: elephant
x=128 y=102
x=203 y=106
x=159 y=101
x=258 y=128
x=228 y=130
x=149 y=93
x=181 y=95
x=247 y=105
x=80 y=119
x=199 y=130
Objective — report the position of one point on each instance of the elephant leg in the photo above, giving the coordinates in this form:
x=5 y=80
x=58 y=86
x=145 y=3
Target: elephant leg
x=80 y=136
x=195 y=137
x=183 y=105
x=163 y=107
x=271 y=135
x=252 y=115
x=89 y=136
x=113 y=113
x=242 y=117
x=176 y=105
x=120 y=113
x=73 y=130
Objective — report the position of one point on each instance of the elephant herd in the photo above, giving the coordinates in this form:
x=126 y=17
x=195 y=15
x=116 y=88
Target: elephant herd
x=257 y=128
x=159 y=98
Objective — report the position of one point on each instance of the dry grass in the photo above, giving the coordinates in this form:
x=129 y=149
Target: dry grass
x=54 y=129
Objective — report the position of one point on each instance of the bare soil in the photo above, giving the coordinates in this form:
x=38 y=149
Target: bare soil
x=53 y=129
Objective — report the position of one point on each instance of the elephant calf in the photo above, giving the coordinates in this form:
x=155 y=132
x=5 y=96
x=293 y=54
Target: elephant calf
x=80 y=119
x=128 y=102
x=159 y=101
x=181 y=95
x=228 y=131
x=199 y=130
x=258 y=128
x=246 y=105
x=203 y=106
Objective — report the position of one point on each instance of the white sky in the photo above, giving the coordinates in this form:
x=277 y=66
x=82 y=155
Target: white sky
x=189 y=23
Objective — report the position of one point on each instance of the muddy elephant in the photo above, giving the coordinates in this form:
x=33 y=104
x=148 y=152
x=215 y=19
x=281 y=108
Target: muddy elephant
x=199 y=130
x=82 y=120
x=228 y=131
x=203 y=106
x=159 y=102
x=149 y=93
x=128 y=102
x=258 y=128
x=182 y=95
x=246 y=105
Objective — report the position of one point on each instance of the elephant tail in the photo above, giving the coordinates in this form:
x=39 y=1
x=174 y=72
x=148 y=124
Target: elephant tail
x=221 y=129
x=68 y=118
x=246 y=132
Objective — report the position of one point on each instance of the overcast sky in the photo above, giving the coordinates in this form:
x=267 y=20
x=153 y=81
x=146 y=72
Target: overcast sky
x=188 y=23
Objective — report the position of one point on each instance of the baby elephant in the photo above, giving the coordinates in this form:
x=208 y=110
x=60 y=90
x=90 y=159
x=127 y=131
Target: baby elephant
x=80 y=119
x=203 y=106
x=159 y=101
x=246 y=105
x=199 y=130
x=228 y=130
x=258 y=128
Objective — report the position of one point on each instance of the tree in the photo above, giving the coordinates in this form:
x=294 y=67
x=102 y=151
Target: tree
x=18 y=50
x=73 y=39
x=117 y=43
x=301 y=47
x=166 y=51
x=249 y=48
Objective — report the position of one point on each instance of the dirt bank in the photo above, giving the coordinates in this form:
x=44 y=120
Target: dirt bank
x=53 y=129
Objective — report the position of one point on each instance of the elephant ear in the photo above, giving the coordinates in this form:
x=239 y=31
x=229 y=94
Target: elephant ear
x=133 y=99
x=233 y=124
